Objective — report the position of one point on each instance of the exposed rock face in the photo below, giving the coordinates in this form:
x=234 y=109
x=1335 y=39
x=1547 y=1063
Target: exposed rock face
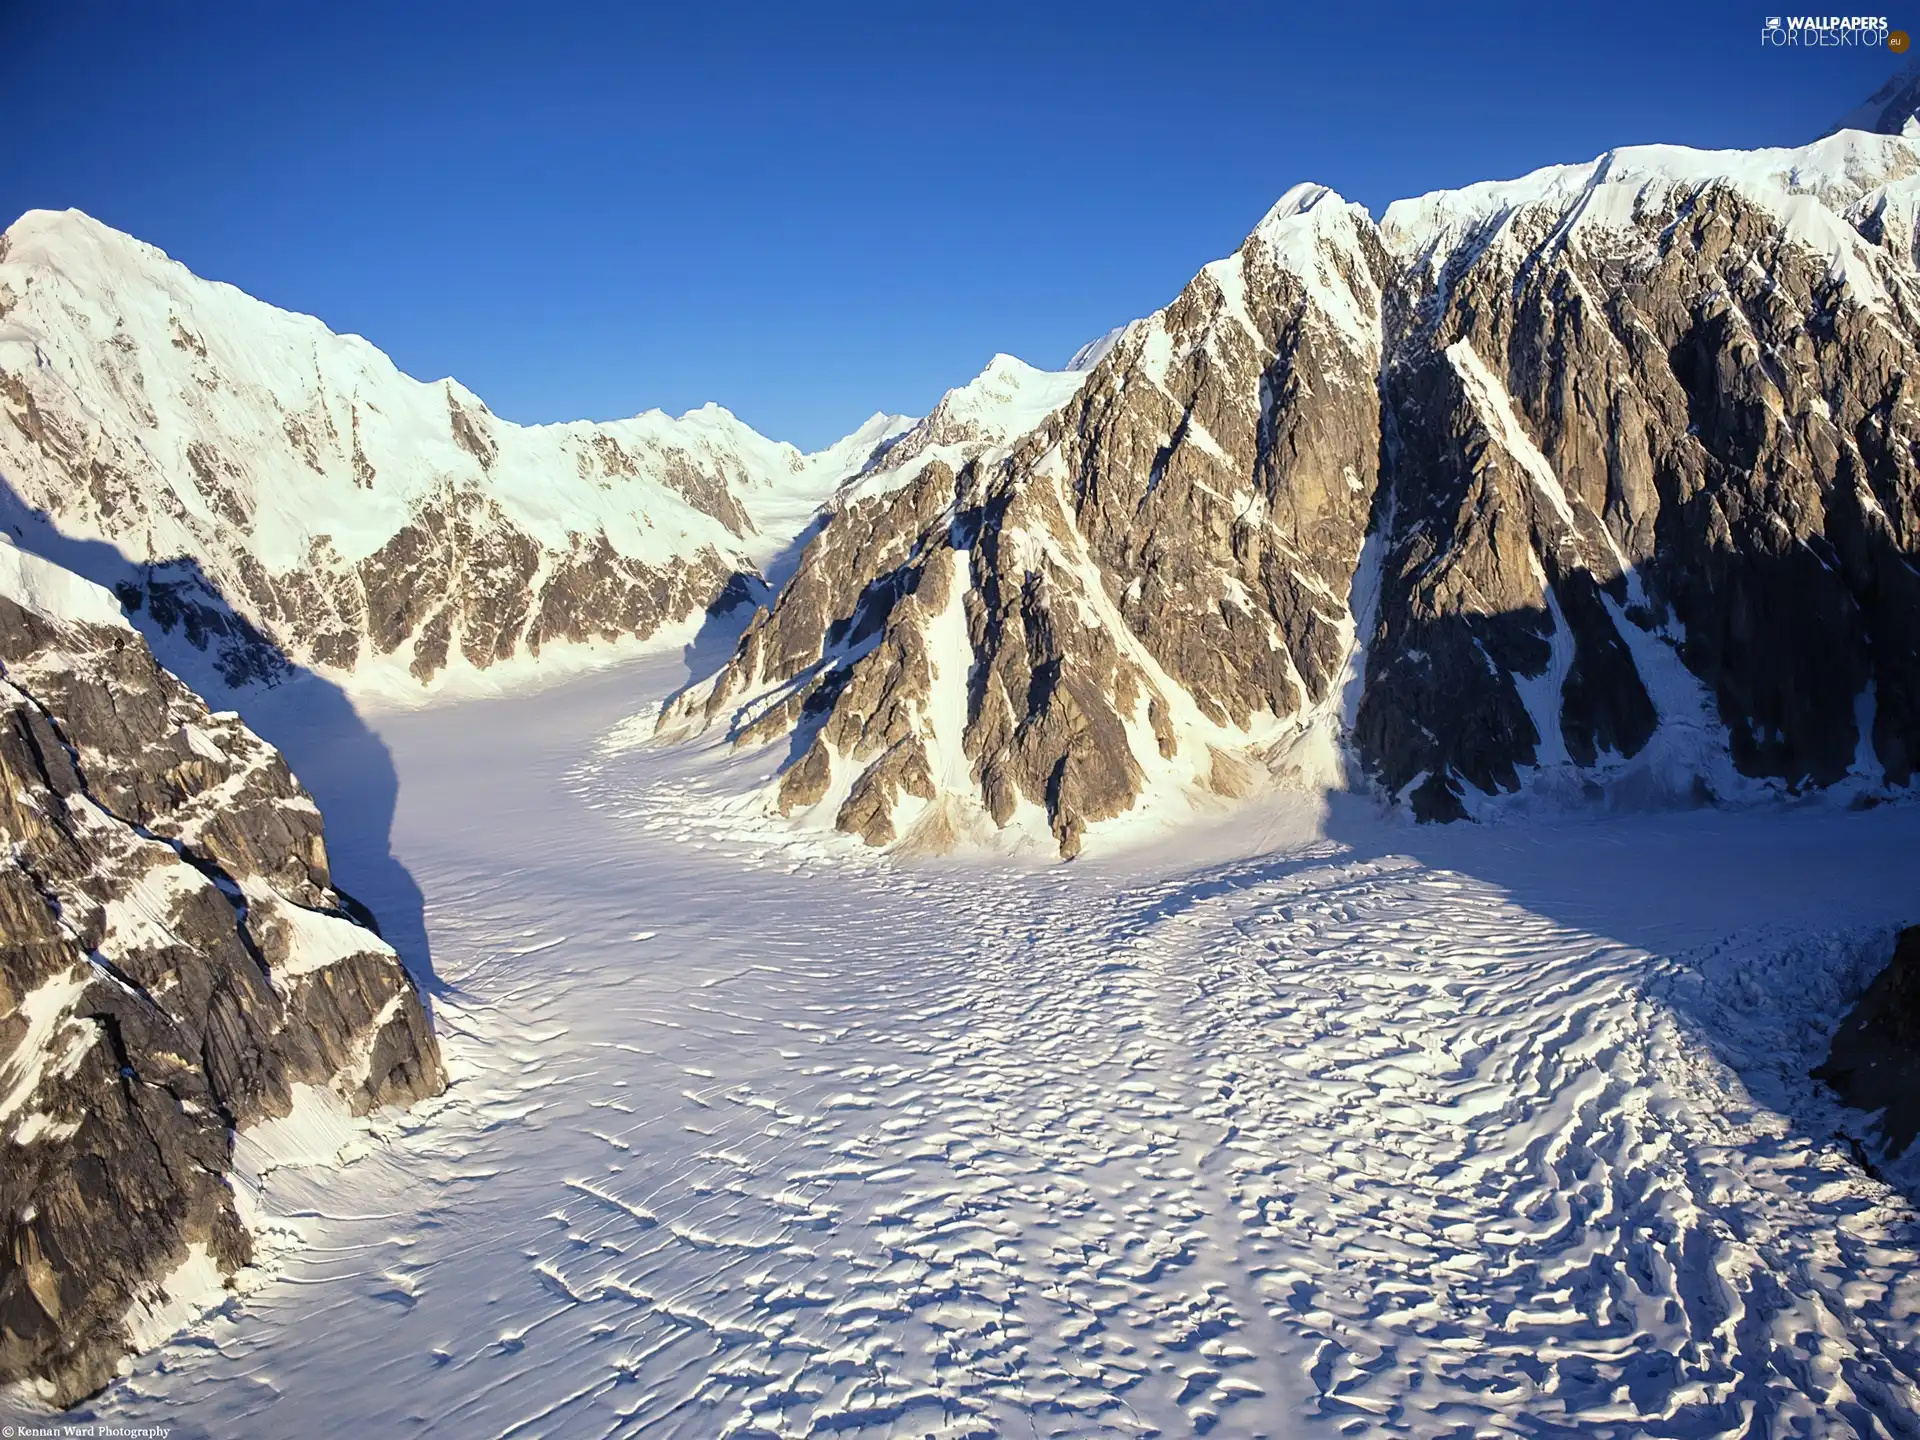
x=1159 y=567
x=1656 y=413
x=173 y=961
x=1874 y=1064
x=277 y=491
x=1601 y=481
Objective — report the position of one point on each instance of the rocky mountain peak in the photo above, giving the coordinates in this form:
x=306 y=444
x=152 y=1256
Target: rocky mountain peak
x=1595 y=483
x=1893 y=109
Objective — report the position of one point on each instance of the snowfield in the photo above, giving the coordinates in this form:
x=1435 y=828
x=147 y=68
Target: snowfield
x=1470 y=1130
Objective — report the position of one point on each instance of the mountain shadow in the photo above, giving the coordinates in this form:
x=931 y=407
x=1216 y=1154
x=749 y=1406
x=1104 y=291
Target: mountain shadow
x=197 y=634
x=723 y=622
x=733 y=609
x=1758 y=885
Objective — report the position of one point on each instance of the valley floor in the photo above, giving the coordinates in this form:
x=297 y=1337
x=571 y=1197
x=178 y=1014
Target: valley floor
x=1482 y=1130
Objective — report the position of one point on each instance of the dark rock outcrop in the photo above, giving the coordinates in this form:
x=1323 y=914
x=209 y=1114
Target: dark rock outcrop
x=1874 y=1063
x=173 y=961
x=1675 y=435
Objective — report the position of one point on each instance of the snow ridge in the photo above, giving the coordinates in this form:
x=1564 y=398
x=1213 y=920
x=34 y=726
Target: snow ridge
x=300 y=472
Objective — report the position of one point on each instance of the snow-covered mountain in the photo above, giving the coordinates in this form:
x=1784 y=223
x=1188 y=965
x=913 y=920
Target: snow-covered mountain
x=280 y=492
x=998 y=406
x=175 y=966
x=180 y=982
x=1597 y=482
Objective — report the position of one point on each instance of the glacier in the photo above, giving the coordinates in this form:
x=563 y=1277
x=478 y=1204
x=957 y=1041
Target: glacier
x=1329 y=1124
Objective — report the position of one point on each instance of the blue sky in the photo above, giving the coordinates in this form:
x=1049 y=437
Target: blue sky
x=808 y=212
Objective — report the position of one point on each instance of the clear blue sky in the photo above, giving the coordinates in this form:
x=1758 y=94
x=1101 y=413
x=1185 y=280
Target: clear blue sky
x=812 y=211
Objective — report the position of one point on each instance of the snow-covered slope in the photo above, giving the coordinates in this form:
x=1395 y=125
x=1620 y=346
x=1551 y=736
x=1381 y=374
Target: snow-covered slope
x=243 y=459
x=1094 y=351
x=1821 y=195
x=999 y=405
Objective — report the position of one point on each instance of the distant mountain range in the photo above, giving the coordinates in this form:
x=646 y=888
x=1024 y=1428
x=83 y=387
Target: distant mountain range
x=282 y=494
x=1596 y=482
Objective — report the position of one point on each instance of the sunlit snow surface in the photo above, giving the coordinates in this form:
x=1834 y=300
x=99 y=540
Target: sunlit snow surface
x=1497 y=1129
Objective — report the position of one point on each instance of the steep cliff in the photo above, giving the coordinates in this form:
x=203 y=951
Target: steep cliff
x=174 y=962
x=1599 y=482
